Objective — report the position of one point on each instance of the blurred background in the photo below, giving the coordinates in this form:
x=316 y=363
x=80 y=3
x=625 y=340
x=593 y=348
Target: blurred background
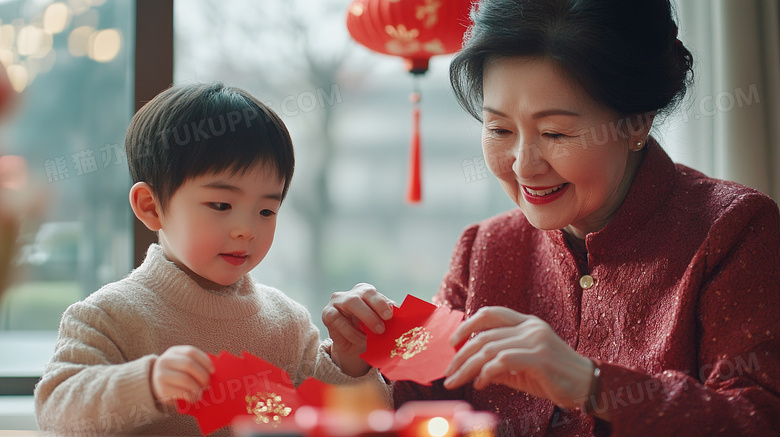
x=82 y=67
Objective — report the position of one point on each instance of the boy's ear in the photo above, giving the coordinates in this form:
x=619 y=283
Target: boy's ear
x=145 y=205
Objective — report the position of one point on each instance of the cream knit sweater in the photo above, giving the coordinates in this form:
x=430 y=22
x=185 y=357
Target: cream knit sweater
x=98 y=381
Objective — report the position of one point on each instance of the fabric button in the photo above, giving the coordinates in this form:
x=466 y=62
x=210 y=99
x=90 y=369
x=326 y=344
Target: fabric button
x=586 y=282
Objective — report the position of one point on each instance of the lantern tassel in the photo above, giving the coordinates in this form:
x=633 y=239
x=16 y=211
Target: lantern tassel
x=413 y=186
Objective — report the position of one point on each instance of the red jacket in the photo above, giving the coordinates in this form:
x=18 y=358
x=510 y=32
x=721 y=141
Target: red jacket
x=683 y=316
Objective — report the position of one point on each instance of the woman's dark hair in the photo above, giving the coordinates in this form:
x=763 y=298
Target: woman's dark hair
x=624 y=53
x=194 y=129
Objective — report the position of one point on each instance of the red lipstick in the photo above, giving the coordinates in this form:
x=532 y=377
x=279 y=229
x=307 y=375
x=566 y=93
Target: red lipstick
x=543 y=199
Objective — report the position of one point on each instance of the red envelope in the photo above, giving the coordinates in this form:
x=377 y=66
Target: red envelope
x=416 y=343
x=249 y=386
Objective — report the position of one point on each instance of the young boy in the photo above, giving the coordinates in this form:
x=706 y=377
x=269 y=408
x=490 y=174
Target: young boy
x=211 y=166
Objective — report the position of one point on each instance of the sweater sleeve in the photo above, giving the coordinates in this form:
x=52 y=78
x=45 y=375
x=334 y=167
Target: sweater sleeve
x=736 y=390
x=452 y=293
x=88 y=386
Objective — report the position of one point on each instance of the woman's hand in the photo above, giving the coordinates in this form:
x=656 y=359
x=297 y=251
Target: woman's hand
x=342 y=317
x=519 y=351
x=180 y=372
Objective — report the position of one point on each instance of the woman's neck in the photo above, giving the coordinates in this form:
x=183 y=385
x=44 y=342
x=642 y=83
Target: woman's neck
x=577 y=232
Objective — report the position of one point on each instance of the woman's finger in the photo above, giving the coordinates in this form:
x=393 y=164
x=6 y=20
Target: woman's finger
x=473 y=362
x=477 y=343
x=486 y=318
x=505 y=365
x=527 y=334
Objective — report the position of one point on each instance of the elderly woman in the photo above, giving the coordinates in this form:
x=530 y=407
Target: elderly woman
x=626 y=294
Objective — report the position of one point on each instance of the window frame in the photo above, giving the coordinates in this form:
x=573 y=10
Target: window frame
x=153 y=74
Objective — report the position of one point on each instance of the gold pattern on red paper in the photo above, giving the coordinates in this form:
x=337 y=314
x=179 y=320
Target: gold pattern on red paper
x=411 y=343
x=267 y=408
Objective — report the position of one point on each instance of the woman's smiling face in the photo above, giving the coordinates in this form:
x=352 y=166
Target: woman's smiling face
x=561 y=157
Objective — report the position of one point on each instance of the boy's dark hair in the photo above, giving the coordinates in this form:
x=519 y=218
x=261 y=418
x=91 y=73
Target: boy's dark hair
x=193 y=129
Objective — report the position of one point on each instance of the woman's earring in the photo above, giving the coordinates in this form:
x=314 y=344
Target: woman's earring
x=638 y=146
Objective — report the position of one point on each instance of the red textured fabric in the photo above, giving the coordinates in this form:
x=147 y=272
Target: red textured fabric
x=683 y=316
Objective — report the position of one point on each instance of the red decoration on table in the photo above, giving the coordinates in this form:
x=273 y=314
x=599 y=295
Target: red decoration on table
x=416 y=343
x=249 y=386
x=415 y=30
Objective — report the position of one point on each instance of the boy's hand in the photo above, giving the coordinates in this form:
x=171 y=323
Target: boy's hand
x=342 y=316
x=180 y=372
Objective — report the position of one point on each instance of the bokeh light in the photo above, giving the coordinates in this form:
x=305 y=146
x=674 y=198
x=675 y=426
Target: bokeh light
x=34 y=41
x=56 y=17
x=438 y=427
x=7 y=36
x=18 y=76
x=78 y=40
x=104 y=45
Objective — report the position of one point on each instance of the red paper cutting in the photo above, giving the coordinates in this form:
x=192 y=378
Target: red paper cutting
x=415 y=345
x=249 y=386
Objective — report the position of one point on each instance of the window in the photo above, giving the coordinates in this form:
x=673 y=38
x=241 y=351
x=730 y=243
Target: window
x=72 y=62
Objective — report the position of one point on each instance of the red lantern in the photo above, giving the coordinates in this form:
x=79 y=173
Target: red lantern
x=414 y=30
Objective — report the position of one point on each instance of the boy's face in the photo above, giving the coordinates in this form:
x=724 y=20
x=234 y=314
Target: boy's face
x=218 y=227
